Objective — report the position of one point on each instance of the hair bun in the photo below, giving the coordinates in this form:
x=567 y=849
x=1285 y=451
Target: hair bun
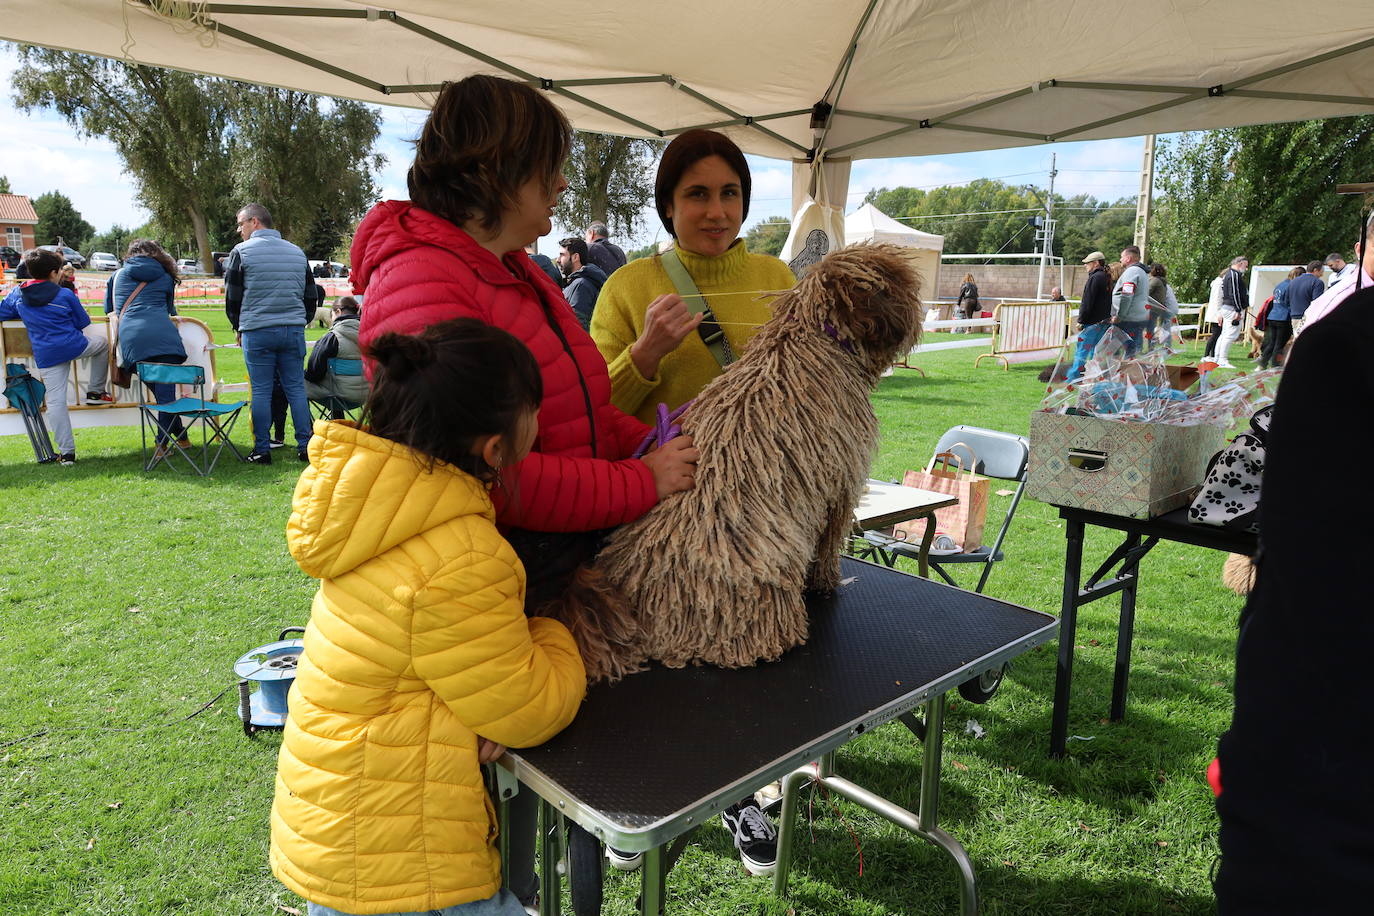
x=401 y=355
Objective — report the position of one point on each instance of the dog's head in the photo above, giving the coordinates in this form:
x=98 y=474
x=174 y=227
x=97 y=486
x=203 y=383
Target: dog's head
x=868 y=294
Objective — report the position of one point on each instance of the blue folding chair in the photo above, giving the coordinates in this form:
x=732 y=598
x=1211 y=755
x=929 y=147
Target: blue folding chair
x=215 y=420
x=334 y=403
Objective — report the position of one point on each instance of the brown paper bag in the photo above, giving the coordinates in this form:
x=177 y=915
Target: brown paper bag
x=964 y=521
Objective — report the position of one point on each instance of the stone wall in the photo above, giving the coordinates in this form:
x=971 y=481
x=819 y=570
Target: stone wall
x=1009 y=281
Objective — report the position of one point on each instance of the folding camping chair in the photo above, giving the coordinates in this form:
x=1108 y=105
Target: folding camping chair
x=25 y=394
x=994 y=454
x=334 y=403
x=216 y=420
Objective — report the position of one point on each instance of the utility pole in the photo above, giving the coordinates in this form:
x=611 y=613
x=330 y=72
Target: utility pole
x=1047 y=232
x=1144 y=202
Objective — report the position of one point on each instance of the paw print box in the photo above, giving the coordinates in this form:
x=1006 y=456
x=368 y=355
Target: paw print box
x=1121 y=467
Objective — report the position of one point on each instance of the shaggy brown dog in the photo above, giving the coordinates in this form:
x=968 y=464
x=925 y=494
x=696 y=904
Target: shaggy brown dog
x=1238 y=574
x=786 y=435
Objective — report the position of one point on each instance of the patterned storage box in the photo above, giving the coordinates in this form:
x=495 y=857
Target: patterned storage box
x=1134 y=469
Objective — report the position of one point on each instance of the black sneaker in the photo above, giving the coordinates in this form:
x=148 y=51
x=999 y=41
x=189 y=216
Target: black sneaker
x=67 y=460
x=755 y=837
x=303 y=455
x=259 y=458
x=275 y=443
x=530 y=904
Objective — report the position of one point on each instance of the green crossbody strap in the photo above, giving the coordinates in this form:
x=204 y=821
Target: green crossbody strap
x=710 y=331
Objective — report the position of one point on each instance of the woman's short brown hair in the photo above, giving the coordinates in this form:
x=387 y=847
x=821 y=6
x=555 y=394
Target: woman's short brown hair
x=484 y=139
x=686 y=150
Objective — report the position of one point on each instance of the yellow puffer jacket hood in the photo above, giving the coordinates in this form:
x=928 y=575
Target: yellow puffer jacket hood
x=417 y=645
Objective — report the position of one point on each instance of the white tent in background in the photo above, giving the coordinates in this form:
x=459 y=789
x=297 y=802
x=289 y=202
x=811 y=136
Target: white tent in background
x=869 y=224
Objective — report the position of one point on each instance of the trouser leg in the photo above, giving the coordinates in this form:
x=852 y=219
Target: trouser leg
x=55 y=380
x=97 y=356
x=261 y=364
x=1283 y=333
x=1212 y=339
x=1230 y=333
x=291 y=370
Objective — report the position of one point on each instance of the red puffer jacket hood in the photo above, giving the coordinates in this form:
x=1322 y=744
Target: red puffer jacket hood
x=416 y=269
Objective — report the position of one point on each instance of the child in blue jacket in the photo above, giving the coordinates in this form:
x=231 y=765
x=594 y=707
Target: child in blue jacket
x=60 y=332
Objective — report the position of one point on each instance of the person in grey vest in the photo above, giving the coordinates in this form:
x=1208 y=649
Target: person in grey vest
x=269 y=295
x=339 y=342
x=1130 y=298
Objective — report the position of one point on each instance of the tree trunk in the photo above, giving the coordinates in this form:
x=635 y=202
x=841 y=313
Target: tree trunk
x=202 y=231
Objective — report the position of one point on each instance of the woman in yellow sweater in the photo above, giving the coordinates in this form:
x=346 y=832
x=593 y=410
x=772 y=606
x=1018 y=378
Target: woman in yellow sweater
x=653 y=344
x=650 y=337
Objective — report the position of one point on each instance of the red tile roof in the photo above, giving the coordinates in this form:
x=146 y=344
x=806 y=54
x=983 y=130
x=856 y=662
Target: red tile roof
x=17 y=208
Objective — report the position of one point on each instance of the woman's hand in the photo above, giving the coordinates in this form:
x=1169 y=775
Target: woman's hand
x=674 y=466
x=488 y=750
x=667 y=322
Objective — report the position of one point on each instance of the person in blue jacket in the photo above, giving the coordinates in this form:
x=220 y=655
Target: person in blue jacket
x=60 y=333
x=146 y=332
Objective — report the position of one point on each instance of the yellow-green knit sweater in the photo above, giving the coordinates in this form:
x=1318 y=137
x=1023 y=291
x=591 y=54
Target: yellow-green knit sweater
x=619 y=319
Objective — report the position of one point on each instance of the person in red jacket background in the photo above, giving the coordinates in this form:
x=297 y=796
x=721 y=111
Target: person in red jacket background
x=484 y=184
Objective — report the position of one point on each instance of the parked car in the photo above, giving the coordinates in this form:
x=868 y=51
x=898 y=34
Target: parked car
x=72 y=256
x=190 y=267
x=103 y=260
x=10 y=256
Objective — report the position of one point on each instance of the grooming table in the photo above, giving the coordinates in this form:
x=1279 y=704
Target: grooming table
x=650 y=758
x=1172 y=526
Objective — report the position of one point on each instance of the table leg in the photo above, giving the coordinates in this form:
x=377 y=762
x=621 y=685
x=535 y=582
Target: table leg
x=787 y=822
x=1125 y=632
x=550 y=851
x=924 y=824
x=923 y=557
x=1068 y=626
x=653 y=883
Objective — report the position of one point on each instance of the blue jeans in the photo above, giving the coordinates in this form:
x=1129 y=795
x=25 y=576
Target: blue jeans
x=1135 y=335
x=502 y=904
x=276 y=353
x=1088 y=339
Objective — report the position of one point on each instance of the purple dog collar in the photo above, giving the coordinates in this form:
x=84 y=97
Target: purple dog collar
x=665 y=429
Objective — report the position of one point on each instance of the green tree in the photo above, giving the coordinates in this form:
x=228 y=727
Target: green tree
x=987 y=216
x=5 y=185
x=115 y=240
x=1265 y=191
x=647 y=251
x=199 y=147
x=310 y=164
x=167 y=127
x=58 y=218
x=768 y=236
x=610 y=179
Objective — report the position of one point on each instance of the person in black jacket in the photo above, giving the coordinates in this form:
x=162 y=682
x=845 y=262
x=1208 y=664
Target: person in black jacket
x=1296 y=799
x=1094 y=311
x=584 y=279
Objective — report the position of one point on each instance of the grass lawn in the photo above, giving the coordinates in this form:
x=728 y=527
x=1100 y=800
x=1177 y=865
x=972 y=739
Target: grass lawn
x=127 y=597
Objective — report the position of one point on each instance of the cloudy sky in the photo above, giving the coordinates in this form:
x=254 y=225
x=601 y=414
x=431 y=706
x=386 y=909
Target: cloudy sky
x=42 y=153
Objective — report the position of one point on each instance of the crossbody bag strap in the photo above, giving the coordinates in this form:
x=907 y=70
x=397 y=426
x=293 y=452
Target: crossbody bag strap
x=710 y=331
x=114 y=350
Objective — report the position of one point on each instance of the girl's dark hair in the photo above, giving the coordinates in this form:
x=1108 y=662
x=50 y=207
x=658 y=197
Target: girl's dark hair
x=147 y=248
x=441 y=390
x=1158 y=270
x=686 y=150
x=485 y=138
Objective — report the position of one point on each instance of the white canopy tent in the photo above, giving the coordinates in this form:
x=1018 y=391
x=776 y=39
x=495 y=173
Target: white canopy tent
x=801 y=79
x=868 y=223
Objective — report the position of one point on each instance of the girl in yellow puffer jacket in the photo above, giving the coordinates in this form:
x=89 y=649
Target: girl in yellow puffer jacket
x=419 y=662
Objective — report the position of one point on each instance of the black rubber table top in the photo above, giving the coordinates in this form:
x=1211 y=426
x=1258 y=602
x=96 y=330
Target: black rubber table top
x=659 y=741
